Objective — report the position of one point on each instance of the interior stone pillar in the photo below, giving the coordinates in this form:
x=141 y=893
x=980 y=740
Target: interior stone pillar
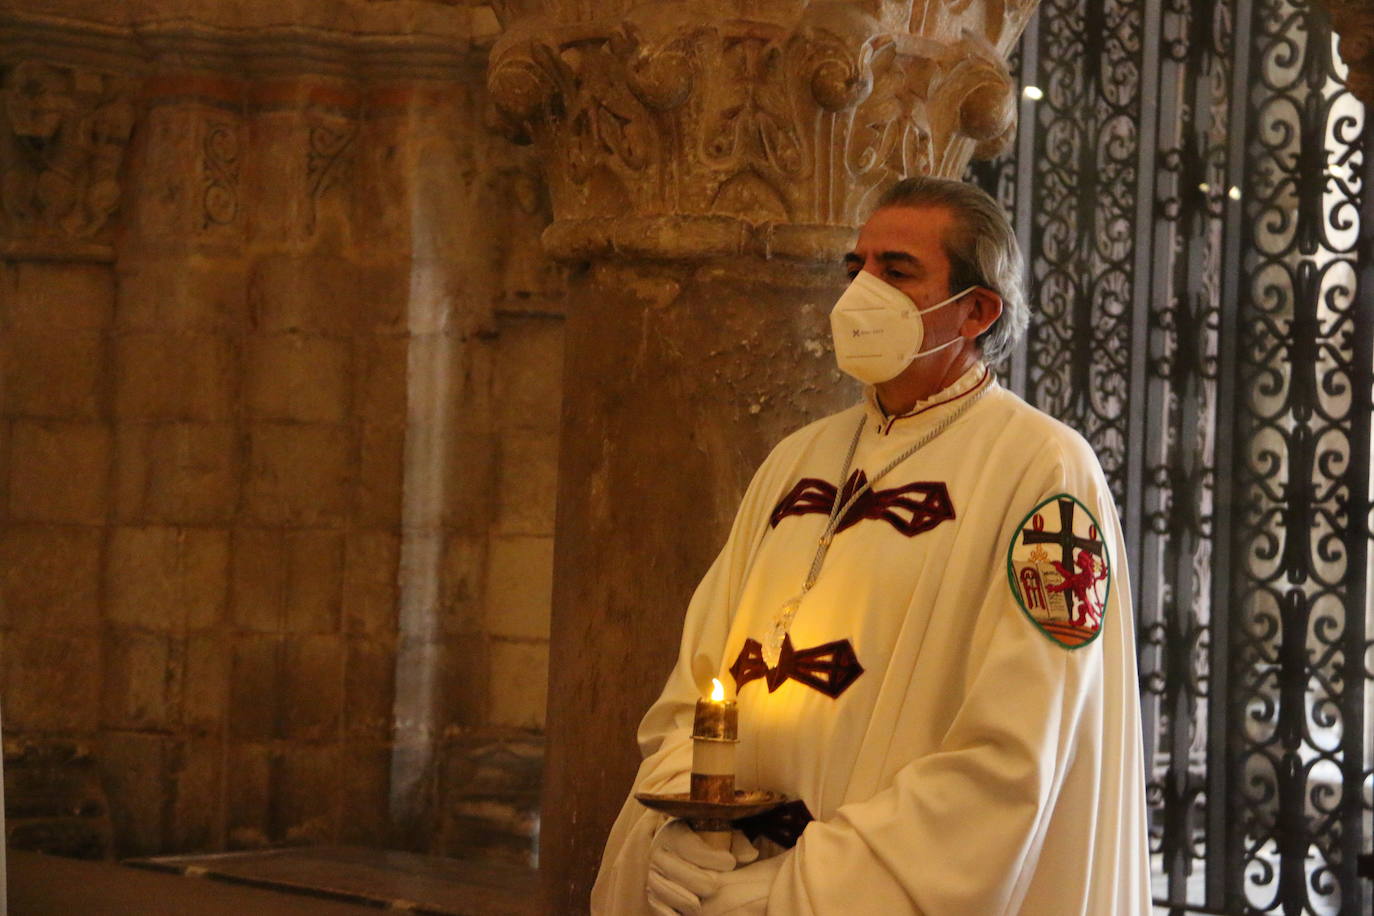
x=707 y=162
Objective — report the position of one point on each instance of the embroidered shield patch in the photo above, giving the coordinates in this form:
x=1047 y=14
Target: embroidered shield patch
x=1059 y=571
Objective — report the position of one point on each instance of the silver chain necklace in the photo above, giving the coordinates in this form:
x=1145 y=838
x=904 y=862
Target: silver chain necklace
x=782 y=621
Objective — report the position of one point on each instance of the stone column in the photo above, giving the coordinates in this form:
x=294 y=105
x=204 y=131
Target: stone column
x=707 y=162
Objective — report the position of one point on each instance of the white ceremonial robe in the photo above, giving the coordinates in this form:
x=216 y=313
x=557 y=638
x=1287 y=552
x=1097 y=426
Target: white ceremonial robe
x=976 y=766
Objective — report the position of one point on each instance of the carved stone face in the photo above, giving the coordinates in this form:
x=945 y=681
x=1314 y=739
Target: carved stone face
x=36 y=99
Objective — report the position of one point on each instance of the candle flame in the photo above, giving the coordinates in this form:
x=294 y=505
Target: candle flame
x=717 y=690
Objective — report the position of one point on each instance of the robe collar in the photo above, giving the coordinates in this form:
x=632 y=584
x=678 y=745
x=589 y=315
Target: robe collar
x=974 y=378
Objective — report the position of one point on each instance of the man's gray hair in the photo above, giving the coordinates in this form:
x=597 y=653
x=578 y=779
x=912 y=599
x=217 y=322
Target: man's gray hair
x=981 y=247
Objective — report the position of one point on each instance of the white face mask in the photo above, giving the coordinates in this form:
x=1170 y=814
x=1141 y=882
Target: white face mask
x=878 y=330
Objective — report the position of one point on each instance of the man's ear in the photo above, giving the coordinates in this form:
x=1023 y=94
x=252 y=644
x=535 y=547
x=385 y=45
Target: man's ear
x=985 y=308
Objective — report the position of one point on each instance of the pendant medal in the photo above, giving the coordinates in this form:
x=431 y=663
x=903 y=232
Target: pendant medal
x=782 y=622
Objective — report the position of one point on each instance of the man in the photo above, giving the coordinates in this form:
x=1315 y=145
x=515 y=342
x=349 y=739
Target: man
x=924 y=609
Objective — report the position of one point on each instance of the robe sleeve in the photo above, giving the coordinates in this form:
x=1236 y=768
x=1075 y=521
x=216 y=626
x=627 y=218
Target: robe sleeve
x=665 y=731
x=958 y=831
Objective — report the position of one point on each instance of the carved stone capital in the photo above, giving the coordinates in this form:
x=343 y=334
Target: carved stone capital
x=63 y=135
x=1353 y=21
x=684 y=128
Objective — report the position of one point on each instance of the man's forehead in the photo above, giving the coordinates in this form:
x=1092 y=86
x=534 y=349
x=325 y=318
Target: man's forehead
x=915 y=232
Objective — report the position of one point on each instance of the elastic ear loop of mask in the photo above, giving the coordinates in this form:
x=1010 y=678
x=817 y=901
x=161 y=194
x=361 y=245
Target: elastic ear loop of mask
x=949 y=343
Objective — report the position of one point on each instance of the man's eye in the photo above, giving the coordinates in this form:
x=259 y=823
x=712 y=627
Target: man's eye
x=895 y=274
x=851 y=274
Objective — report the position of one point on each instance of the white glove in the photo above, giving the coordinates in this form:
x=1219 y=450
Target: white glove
x=744 y=891
x=683 y=868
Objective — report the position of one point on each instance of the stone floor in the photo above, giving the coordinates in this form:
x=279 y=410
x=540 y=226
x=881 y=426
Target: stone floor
x=327 y=881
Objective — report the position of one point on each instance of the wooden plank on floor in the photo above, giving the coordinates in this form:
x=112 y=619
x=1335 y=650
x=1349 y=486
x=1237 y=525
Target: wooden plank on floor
x=398 y=880
x=42 y=885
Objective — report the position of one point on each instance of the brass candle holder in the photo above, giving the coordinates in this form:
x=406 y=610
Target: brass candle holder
x=713 y=804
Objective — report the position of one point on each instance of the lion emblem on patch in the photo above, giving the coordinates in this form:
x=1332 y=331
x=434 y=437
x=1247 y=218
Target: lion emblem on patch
x=1059 y=570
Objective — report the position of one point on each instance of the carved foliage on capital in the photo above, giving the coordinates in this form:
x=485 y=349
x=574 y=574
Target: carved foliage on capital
x=63 y=135
x=671 y=113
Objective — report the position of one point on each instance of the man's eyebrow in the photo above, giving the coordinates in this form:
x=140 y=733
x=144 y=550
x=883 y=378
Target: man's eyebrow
x=888 y=257
x=903 y=257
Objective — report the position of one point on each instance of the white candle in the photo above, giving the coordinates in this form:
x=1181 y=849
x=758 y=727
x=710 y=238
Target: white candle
x=715 y=730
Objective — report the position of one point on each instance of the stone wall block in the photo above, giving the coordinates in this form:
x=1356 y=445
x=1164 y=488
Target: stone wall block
x=528 y=488
x=175 y=377
x=312 y=294
x=298 y=377
x=6 y=460
x=205 y=576
x=313 y=681
x=258 y=580
x=182 y=292
x=135 y=772
x=305 y=790
x=315 y=581
x=50 y=577
x=140 y=670
x=365 y=779
x=468 y=471
x=256 y=693
x=60 y=375
x=205 y=685
x=142 y=576
x=518 y=693
x=381 y=378
x=369 y=688
x=51 y=296
x=529 y=378
x=520 y=587
x=370 y=592
x=176 y=473
x=299 y=474
x=460 y=666
x=51 y=682
x=463 y=584
x=196 y=772
x=165 y=578
x=248 y=795
x=381 y=472
x=59 y=471
x=382 y=296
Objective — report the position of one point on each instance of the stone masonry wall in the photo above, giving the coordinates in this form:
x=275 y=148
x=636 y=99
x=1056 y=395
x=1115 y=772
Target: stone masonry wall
x=277 y=453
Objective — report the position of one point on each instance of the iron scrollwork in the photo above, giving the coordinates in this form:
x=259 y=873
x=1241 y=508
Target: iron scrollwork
x=1197 y=204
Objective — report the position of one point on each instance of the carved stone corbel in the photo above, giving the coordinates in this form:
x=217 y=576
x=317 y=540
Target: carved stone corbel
x=63 y=134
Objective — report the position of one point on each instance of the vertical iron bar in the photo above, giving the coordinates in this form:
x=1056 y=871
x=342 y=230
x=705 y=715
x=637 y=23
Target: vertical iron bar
x=1025 y=180
x=1354 y=825
x=1224 y=853
x=1142 y=286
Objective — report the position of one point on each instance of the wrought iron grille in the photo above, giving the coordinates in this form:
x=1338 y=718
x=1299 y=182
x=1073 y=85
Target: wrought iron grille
x=1195 y=200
